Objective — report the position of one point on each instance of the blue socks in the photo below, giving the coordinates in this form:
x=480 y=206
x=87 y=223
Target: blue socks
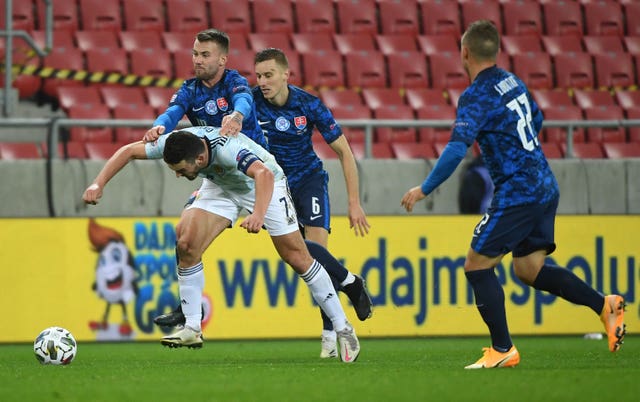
x=564 y=283
x=490 y=303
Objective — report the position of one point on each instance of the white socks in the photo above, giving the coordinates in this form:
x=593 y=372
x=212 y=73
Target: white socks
x=191 y=284
x=324 y=294
x=348 y=280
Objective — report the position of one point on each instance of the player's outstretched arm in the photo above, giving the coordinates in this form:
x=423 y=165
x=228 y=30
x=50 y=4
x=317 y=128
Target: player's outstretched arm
x=357 y=218
x=120 y=158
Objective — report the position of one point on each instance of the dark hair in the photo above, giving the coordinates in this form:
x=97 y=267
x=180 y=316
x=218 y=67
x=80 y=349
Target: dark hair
x=213 y=35
x=482 y=39
x=272 y=54
x=182 y=146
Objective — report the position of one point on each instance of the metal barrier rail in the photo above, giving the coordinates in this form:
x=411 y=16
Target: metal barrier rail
x=54 y=126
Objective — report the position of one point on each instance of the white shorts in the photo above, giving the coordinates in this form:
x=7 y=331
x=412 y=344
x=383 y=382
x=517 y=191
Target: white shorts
x=281 y=215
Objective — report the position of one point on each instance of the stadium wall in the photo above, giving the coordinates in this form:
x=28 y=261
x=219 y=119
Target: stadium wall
x=68 y=271
x=146 y=188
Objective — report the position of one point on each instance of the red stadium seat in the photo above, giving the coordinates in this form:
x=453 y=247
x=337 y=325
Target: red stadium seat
x=587 y=99
x=574 y=70
x=264 y=40
x=365 y=70
x=27 y=85
x=627 y=99
x=546 y=98
x=395 y=134
x=71 y=97
x=23 y=16
x=617 y=150
x=406 y=150
x=605 y=134
x=632 y=16
x=296 y=76
x=61 y=39
x=447 y=71
x=440 y=17
x=534 y=68
x=603 y=18
x=88 y=40
x=186 y=16
x=394 y=43
x=158 y=98
x=522 y=18
x=504 y=61
x=551 y=150
x=107 y=61
x=183 y=63
x=435 y=112
x=312 y=42
x=19 y=150
x=379 y=150
x=419 y=98
x=521 y=44
x=352 y=112
x=273 y=16
x=408 y=70
x=587 y=150
x=338 y=98
x=101 y=150
x=65 y=15
x=100 y=15
x=243 y=61
x=559 y=134
x=135 y=40
x=324 y=150
x=560 y=44
x=454 y=94
x=399 y=17
x=178 y=41
x=603 y=44
x=230 y=15
x=563 y=18
x=614 y=70
x=151 y=62
x=357 y=16
x=632 y=44
x=314 y=16
x=433 y=44
x=323 y=69
x=144 y=15
x=481 y=9
x=92 y=134
x=67 y=150
x=62 y=58
x=354 y=42
x=376 y=98
x=132 y=111
x=116 y=96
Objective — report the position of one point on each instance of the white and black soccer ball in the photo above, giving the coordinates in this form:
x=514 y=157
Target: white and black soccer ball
x=55 y=345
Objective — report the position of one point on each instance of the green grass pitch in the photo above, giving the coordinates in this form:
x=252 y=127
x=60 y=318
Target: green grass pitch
x=424 y=369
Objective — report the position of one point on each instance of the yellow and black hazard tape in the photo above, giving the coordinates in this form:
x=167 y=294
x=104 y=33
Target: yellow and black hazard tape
x=96 y=77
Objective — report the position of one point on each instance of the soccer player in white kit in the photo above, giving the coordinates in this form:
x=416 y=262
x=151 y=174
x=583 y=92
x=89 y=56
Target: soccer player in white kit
x=238 y=174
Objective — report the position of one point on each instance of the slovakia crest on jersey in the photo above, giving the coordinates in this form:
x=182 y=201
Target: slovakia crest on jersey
x=210 y=107
x=300 y=122
x=222 y=104
x=282 y=124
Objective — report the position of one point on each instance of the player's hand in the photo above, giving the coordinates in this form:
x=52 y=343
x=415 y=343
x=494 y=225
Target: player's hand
x=92 y=194
x=153 y=133
x=252 y=223
x=358 y=220
x=412 y=196
x=231 y=124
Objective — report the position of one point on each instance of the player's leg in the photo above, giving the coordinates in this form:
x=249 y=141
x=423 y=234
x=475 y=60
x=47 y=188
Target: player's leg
x=287 y=239
x=531 y=267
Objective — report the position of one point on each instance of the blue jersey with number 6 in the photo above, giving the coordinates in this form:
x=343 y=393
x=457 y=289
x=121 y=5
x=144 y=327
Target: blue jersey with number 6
x=497 y=111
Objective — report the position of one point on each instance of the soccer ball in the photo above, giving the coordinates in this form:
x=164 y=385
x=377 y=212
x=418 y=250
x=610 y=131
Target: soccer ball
x=55 y=345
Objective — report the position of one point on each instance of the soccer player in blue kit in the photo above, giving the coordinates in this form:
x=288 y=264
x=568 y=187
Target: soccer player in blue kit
x=221 y=97
x=237 y=175
x=498 y=111
x=287 y=115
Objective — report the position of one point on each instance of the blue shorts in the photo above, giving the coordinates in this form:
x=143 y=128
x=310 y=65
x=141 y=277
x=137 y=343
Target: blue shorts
x=520 y=230
x=311 y=201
